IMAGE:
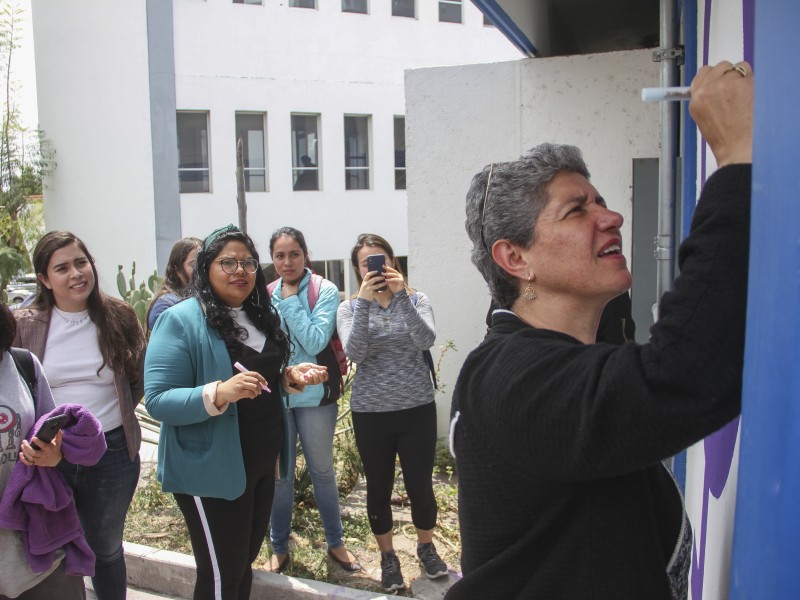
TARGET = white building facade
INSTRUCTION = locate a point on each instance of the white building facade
(143, 103)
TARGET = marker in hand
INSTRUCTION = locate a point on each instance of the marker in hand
(241, 368)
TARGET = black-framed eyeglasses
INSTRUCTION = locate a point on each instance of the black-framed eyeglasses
(231, 265)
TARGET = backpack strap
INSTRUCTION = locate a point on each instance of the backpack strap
(426, 354)
(271, 287)
(23, 359)
(314, 285)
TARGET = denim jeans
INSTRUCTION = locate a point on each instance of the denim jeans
(102, 496)
(315, 426)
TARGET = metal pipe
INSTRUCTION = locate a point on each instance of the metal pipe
(665, 240)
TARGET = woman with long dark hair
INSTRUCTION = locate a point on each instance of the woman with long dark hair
(177, 277)
(91, 347)
(307, 305)
(385, 330)
(214, 374)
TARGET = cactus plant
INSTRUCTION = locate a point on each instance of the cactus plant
(139, 297)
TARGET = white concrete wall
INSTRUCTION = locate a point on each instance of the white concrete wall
(92, 83)
(461, 118)
(281, 60)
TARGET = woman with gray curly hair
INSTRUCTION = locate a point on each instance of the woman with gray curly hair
(559, 441)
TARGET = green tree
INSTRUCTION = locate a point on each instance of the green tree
(24, 155)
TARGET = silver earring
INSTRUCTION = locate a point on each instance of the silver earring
(529, 293)
(257, 300)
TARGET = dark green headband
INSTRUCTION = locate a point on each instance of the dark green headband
(230, 228)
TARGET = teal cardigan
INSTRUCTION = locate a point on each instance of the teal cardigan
(198, 454)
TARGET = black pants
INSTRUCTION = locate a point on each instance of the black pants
(411, 435)
(227, 534)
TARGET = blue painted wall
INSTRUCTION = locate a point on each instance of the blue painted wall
(766, 553)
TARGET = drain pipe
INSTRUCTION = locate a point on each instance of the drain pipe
(670, 56)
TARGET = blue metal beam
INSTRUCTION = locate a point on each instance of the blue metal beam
(506, 26)
(766, 550)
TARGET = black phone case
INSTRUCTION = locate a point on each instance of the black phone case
(376, 264)
(49, 429)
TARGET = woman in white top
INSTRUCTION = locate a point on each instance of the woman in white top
(92, 350)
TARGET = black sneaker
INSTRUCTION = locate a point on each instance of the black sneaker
(391, 577)
(433, 564)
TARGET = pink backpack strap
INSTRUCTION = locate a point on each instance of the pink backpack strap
(314, 284)
(271, 287)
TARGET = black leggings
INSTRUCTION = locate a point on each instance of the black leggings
(227, 534)
(411, 435)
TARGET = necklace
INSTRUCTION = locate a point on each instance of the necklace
(84, 315)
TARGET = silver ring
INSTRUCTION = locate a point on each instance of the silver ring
(738, 68)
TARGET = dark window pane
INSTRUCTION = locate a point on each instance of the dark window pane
(305, 163)
(193, 182)
(399, 153)
(303, 3)
(305, 179)
(354, 6)
(193, 169)
(250, 129)
(356, 179)
(450, 12)
(399, 179)
(356, 153)
(403, 8)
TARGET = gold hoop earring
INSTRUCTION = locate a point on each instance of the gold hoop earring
(529, 293)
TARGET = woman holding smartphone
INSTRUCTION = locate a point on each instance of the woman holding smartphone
(214, 374)
(92, 348)
(311, 415)
(21, 409)
(385, 330)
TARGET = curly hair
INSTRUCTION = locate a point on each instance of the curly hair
(173, 275)
(119, 334)
(257, 306)
(503, 203)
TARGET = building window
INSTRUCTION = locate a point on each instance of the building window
(250, 130)
(356, 153)
(193, 170)
(247, 2)
(303, 3)
(450, 11)
(305, 147)
(354, 6)
(487, 21)
(403, 8)
(399, 153)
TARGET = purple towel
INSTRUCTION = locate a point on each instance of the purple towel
(38, 502)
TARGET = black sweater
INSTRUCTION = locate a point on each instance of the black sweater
(558, 444)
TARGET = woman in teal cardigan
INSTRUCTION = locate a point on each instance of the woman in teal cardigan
(222, 432)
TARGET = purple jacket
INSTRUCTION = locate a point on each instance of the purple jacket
(38, 502)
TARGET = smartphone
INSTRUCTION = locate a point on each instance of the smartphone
(49, 429)
(375, 262)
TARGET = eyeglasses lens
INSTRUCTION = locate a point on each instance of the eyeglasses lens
(231, 265)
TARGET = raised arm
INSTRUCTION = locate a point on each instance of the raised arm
(314, 331)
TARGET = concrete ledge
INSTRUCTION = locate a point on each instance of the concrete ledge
(173, 574)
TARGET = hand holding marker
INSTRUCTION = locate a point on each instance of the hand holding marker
(242, 369)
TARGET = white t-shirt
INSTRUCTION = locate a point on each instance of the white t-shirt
(71, 360)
